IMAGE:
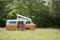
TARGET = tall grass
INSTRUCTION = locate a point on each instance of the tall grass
(37, 34)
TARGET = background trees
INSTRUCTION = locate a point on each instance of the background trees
(56, 12)
(43, 13)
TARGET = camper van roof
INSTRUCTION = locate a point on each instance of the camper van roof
(11, 20)
(23, 17)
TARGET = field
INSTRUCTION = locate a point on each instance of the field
(37, 34)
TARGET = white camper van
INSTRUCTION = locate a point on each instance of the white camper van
(20, 23)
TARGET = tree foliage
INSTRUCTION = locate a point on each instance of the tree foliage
(42, 15)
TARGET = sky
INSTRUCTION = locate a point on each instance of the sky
(47, 2)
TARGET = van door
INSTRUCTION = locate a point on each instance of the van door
(20, 25)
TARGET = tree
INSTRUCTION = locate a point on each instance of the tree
(3, 11)
(36, 10)
(56, 12)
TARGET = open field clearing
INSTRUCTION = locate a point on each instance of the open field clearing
(37, 34)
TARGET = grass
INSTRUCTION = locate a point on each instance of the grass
(37, 34)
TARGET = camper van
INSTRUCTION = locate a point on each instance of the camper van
(21, 23)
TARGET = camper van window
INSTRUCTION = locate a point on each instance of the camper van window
(21, 22)
(28, 22)
(12, 22)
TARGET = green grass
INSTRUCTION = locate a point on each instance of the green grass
(38, 34)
